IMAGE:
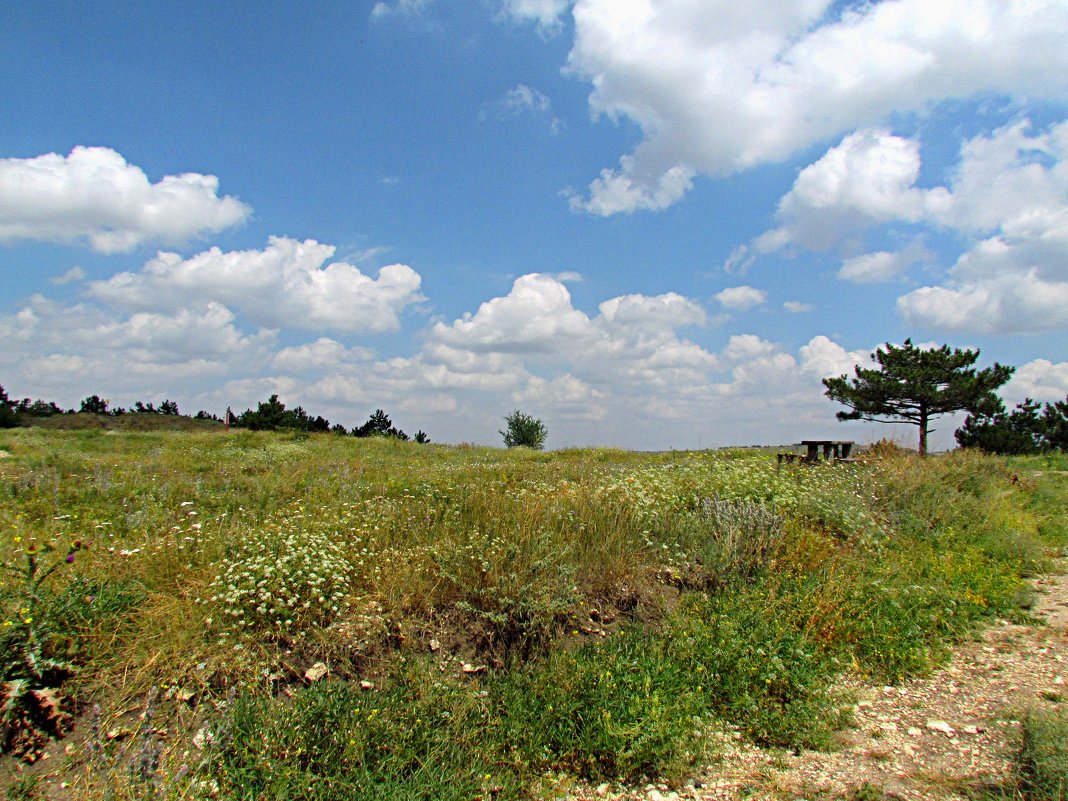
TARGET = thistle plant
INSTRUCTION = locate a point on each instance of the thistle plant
(31, 705)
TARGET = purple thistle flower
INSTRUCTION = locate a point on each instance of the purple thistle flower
(70, 558)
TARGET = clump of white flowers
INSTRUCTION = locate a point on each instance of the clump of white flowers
(281, 582)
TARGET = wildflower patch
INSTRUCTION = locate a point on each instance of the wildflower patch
(280, 582)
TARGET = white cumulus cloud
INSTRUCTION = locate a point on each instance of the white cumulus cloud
(741, 298)
(287, 284)
(1041, 380)
(1011, 190)
(95, 196)
(718, 87)
(868, 178)
(1006, 201)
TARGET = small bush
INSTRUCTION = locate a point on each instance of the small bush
(281, 582)
(524, 431)
(742, 538)
(514, 588)
(753, 668)
(617, 711)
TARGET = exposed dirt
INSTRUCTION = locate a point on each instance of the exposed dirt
(940, 737)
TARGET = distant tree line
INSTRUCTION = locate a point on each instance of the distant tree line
(272, 415)
(269, 415)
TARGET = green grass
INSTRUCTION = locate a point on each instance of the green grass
(1043, 759)
(624, 604)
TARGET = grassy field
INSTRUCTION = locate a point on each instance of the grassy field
(488, 623)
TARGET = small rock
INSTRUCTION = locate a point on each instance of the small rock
(367, 685)
(973, 729)
(602, 789)
(118, 733)
(435, 646)
(316, 672)
(473, 669)
(914, 732)
(183, 695)
(941, 726)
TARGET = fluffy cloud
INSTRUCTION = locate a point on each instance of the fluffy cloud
(1012, 187)
(85, 349)
(869, 178)
(633, 341)
(1006, 200)
(1008, 304)
(312, 356)
(95, 196)
(872, 267)
(288, 283)
(546, 13)
(717, 87)
(1041, 380)
(741, 298)
(536, 316)
(824, 358)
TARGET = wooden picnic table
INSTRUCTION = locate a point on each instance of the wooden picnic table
(832, 448)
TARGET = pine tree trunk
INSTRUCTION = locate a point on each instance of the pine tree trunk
(923, 433)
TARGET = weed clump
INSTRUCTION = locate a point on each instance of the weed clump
(32, 706)
(743, 537)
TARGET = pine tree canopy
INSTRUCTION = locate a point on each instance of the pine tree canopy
(913, 385)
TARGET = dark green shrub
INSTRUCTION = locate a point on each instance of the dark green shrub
(524, 431)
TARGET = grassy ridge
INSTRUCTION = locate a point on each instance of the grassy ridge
(515, 617)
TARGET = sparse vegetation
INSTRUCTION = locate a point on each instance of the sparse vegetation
(338, 615)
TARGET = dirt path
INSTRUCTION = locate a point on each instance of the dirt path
(931, 738)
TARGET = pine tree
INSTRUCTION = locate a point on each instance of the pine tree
(914, 385)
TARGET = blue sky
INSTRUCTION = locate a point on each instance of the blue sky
(651, 223)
